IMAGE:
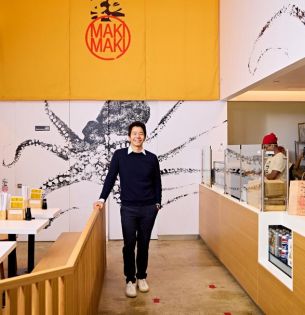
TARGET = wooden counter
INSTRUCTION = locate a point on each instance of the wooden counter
(231, 231)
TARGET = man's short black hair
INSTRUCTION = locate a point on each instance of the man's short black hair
(137, 124)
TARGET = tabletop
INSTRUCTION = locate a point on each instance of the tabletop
(22, 226)
(45, 213)
(6, 247)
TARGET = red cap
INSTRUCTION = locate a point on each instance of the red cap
(270, 139)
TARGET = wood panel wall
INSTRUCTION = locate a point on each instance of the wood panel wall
(209, 221)
(238, 243)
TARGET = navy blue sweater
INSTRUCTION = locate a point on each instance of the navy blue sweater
(140, 178)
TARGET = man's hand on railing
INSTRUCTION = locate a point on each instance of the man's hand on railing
(98, 205)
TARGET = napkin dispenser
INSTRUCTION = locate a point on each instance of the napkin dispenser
(35, 201)
(16, 209)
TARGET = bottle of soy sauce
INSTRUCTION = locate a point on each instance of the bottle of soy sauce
(28, 214)
(44, 204)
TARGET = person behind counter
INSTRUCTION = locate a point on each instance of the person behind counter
(275, 165)
(298, 171)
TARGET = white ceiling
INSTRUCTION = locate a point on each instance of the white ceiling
(286, 85)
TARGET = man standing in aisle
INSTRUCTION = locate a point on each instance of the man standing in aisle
(140, 182)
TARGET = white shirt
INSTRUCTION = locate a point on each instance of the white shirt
(131, 150)
(276, 163)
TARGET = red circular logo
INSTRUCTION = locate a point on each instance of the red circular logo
(107, 37)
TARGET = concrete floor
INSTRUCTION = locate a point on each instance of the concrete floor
(180, 274)
(185, 279)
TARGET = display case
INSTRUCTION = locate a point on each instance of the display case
(276, 239)
(243, 173)
(251, 174)
(241, 176)
(280, 248)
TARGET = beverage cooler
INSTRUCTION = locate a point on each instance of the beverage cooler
(280, 248)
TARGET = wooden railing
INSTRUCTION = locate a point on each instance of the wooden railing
(74, 288)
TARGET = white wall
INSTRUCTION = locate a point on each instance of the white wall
(181, 217)
(194, 124)
(248, 122)
(258, 38)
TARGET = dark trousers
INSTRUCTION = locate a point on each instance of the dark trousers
(137, 224)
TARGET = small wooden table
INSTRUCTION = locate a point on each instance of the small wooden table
(30, 228)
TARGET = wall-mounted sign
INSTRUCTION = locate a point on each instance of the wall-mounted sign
(42, 128)
(107, 38)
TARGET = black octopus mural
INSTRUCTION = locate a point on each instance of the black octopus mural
(101, 137)
(259, 50)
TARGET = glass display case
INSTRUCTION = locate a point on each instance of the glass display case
(241, 175)
(251, 175)
(280, 248)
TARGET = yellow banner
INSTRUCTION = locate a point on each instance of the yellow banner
(182, 49)
(121, 74)
(34, 49)
(93, 49)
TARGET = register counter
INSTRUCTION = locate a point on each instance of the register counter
(237, 233)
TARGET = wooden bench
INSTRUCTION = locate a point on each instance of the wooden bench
(59, 252)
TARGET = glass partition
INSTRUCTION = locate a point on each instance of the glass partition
(251, 174)
(233, 171)
(242, 174)
(206, 166)
(298, 171)
(218, 174)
